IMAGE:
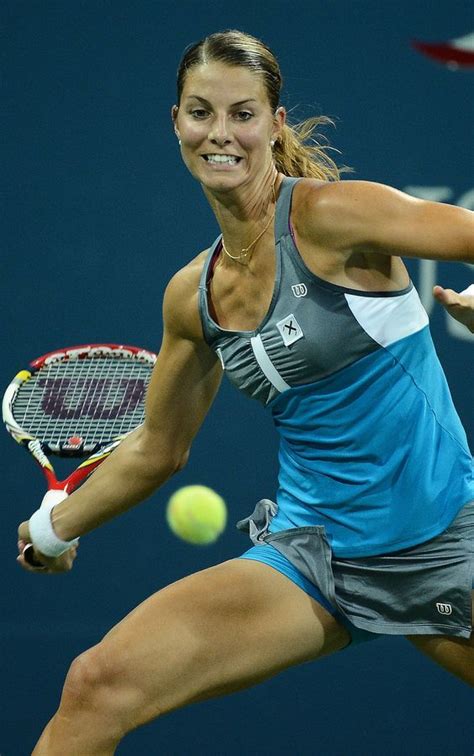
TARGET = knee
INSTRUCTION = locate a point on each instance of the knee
(87, 675)
(91, 688)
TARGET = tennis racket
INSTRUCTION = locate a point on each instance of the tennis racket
(77, 402)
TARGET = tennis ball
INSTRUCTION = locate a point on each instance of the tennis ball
(197, 514)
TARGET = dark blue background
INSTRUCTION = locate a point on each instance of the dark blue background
(99, 214)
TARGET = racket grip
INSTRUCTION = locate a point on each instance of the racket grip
(29, 556)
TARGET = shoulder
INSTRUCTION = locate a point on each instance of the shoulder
(186, 280)
(332, 212)
(320, 196)
(180, 303)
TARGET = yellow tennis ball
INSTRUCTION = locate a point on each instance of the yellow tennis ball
(196, 514)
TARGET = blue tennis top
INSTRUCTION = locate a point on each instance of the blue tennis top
(371, 446)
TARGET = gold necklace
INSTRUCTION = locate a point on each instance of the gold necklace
(244, 252)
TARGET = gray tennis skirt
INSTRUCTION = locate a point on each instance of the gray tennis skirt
(422, 590)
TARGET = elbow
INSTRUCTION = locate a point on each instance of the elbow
(161, 455)
(183, 461)
(164, 466)
(157, 456)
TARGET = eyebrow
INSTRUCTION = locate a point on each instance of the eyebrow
(206, 102)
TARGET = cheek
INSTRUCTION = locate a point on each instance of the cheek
(192, 133)
(254, 139)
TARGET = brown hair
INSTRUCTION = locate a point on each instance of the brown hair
(297, 151)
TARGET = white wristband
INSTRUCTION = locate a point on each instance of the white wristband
(42, 534)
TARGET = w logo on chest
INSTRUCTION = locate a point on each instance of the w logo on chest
(299, 290)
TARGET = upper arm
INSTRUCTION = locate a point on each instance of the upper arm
(186, 375)
(373, 217)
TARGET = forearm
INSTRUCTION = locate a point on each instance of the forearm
(126, 478)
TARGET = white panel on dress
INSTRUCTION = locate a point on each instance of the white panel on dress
(388, 319)
(266, 365)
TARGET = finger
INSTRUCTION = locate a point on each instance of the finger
(446, 297)
(23, 532)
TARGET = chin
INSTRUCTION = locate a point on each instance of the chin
(224, 183)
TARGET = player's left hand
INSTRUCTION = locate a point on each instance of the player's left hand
(34, 561)
(459, 305)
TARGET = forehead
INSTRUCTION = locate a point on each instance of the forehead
(216, 81)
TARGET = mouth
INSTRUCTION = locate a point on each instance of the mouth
(219, 159)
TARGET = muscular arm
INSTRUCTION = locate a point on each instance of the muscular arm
(183, 385)
(373, 218)
(360, 220)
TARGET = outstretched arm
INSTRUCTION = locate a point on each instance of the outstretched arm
(349, 216)
(361, 216)
(184, 383)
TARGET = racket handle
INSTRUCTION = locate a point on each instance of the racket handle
(29, 555)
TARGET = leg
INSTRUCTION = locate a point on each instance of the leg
(212, 633)
(456, 655)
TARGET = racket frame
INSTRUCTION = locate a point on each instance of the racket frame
(37, 448)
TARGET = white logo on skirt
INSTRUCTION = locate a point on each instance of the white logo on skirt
(444, 608)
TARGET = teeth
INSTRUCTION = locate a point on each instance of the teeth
(222, 159)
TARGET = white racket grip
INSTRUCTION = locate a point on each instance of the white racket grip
(469, 291)
(42, 533)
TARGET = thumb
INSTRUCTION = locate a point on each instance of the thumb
(24, 532)
(446, 297)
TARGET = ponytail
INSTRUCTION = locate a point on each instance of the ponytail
(294, 156)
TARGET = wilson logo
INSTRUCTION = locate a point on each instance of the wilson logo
(444, 608)
(299, 290)
(94, 398)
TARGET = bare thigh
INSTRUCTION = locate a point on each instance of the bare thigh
(456, 655)
(211, 633)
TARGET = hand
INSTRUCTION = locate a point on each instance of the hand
(459, 306)
(37, 562)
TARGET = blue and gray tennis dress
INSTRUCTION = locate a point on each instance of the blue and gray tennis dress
(373, 458)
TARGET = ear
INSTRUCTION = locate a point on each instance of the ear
(174, 116)
(279, 121)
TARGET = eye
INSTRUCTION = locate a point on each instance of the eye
(243, 115)
(199, 113)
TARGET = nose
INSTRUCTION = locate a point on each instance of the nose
(219, 132)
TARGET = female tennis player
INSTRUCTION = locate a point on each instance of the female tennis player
(304, 302)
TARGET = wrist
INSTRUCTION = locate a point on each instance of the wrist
(43, 535)
(61, 521)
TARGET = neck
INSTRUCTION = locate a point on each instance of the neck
(244, 212)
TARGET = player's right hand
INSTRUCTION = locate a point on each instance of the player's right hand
(459, 305)
(33, 561)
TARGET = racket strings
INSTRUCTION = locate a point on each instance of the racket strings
(93, 400)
